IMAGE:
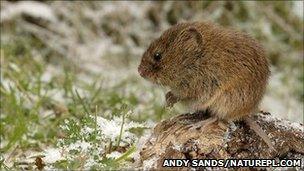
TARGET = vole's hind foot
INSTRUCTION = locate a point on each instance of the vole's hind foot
(260, 132)
(203, 124)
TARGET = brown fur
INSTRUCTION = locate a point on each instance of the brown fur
(210, 66)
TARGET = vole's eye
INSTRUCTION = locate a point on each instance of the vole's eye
(157, 56)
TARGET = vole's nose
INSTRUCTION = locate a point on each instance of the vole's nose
(141, 71)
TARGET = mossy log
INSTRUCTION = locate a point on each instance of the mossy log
(172, 139)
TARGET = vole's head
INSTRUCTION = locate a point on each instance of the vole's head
(169, 56)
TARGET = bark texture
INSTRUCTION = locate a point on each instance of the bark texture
(172, 139)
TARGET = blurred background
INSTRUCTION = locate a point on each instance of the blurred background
(65, 60)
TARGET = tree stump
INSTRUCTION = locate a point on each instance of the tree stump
(172, 139)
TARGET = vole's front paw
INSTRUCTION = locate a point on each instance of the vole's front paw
(171, 99)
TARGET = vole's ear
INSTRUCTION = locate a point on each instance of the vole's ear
(191, 34)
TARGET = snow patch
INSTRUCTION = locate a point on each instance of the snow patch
(287, 125)
(111, 128)
(150, 163)
(52, 155)
(79, 146)
(114, 155)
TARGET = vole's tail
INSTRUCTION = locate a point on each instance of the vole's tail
(259, 131)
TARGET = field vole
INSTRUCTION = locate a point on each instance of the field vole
(210, 67)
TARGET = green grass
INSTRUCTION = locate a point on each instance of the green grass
(33, 119)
